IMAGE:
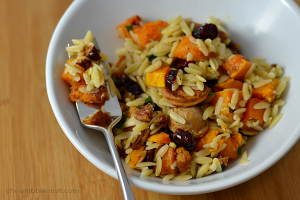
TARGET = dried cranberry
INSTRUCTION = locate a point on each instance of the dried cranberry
(184, 139)
(168, 131)
(165, 130)
(171, 77)
(155, 106)
(93, 54)
(130, 85)
(179, 63)
(122, 153)
(235, 48)
(205, 31)
(122, 90)
(149, 156)
(84, 63)
(171, 135)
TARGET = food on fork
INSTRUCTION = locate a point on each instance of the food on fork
(85, 74)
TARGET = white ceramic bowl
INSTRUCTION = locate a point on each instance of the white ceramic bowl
(268, 29)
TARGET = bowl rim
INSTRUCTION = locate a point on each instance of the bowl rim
(143, 184)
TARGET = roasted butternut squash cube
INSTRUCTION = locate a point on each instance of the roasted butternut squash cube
(208, 137)
(149, 31)
(135, 157)
(237, 67)
(160, 138)
(167, 160)
(227, 95)
(70, 79)
(231, 149)
(230, 83)
(157, 78)
(133, 22)
(266, 92)
(186, 46)
(253, 114)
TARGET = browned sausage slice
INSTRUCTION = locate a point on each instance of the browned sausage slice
(181, 99)
(194, 122)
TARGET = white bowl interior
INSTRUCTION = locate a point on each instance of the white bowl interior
(266, 29)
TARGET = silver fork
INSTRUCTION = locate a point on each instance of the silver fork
(112, 107)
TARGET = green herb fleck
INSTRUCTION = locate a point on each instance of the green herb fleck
(212, 82)
(120, 124)
(148, 99)
(225, 72)
(231, 110)
(240, 150)
(223, 137)
(232, 135)
(115, 79)
(222, 168)
(211, 94)
(213, 116)
(129, 27)
(151, 57)
(249, 90)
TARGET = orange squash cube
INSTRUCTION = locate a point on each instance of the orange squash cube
(162, 24)
(160, 138)
(148, 32)
(68, 78)
(135, 157)
(135, 21)
(230, 83)
(157, 78)
(167, 160)
(227, 95)
(185, 46)
(253, 114)
(237, 67)
(231, 149)
(208, 137)
(266, 92)
(238, 137)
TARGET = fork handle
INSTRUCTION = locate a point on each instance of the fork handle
(125, 186)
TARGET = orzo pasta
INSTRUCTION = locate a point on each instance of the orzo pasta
(190, 99)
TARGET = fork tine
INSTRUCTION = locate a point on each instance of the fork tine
(112, 105)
